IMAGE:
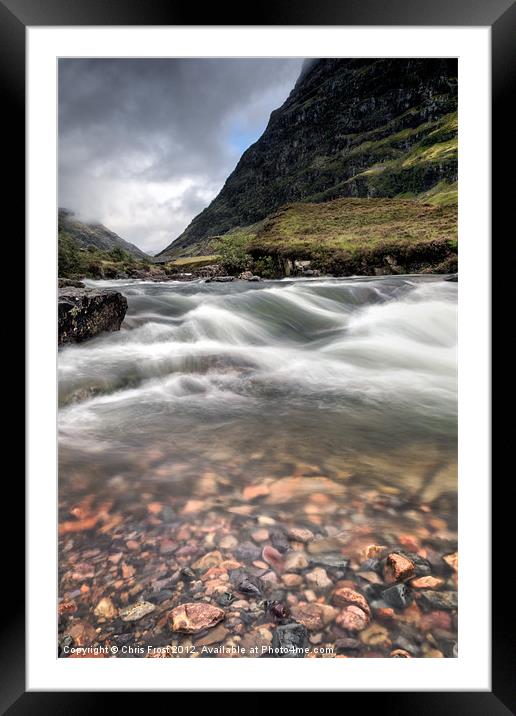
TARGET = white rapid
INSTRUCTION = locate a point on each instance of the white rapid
(358, 369)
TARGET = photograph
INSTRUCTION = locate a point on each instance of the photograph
(257, 357)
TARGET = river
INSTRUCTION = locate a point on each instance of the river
(327, 404)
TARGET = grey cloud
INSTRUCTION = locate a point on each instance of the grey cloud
(145, 144)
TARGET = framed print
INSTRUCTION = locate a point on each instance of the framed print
(259, 351)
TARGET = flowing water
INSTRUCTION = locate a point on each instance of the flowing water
(340, 387)
(358, 371)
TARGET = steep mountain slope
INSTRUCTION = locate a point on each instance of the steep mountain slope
(95, 235)
(350, 128)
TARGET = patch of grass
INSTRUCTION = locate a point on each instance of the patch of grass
(350, 225)
(186, 262)
(442, 194)
(438, 152)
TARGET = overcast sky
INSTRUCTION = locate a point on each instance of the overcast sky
(145, 145)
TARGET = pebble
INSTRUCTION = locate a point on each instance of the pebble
(398, 568)
(260, 564)
(279, 541)
(290, 641)
(251, 492)
(422, 566)
(373, 551)
(193, 506)
(105, 609)
(426, 583)
(211, 559)
(398, 596)
(344, 596)
(318, 578)
(67, 607)
(278, 610)
(225, 599)
(82, 571)
(292, 580)
(163, 596)
(371, 577)
(136, 611)
(314, 616)
(257, 638)
(213, 637)
(436, 620)
(345, 644)
(193, 617)
(352, 618)
(438, 600)
(249, 588)
(228, 542)
(330, 561)
(295, 561)
(215, 573)
(452, 560)
(154, 508)
(188, 573)
(273, 557)
(167, 546)
(269, 578)
(261, 535)
(248, 552)
(82, 632)
(301, 534)
(376, 635)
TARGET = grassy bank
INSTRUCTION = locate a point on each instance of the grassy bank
(348, 235)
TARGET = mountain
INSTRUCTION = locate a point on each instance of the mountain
(362, 128)
(95, 235)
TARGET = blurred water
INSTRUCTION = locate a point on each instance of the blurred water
(348, 375)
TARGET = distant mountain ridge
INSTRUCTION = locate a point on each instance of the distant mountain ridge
(349, 128)
(95, 235)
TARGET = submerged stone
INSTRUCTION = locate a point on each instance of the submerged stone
(398, 596)
(290, 641)
(195, 616)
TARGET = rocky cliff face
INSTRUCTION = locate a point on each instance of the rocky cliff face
(350, 128)
(95, 235)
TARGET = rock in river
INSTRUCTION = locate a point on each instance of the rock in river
(290, 641)
(85, 312)
(194, 617)
(398, 596)
(133, 612)
(438, 600)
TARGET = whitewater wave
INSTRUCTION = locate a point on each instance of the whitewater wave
(358, 348)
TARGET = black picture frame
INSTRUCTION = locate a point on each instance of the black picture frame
(500, 16)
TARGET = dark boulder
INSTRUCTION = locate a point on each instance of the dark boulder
(85, 312)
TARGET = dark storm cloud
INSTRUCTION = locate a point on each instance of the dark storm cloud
(144, 145)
